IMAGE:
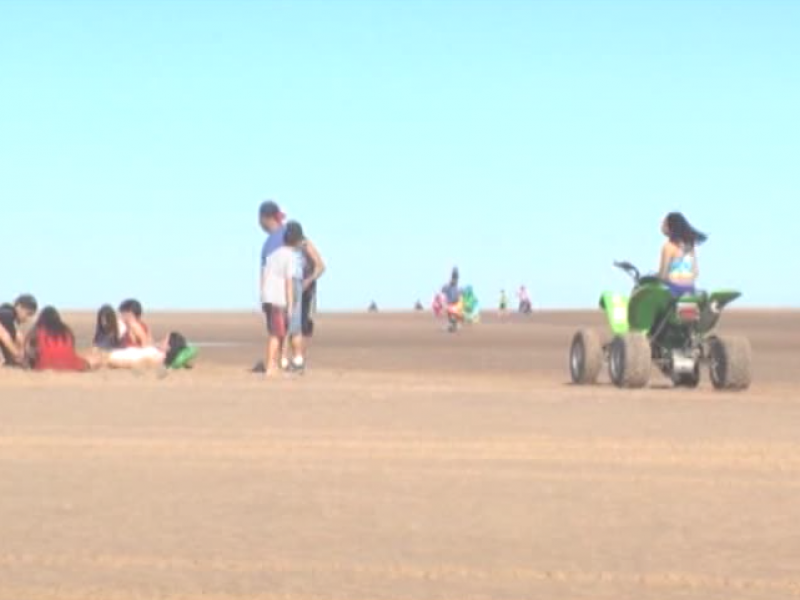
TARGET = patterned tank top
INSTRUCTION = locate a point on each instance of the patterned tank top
(681, 268)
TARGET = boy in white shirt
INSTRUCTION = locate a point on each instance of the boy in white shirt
(278, 297)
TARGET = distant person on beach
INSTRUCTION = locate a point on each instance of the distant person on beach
(678, 268)
(277, 299)
(503, 303)
(438, 304)
(451, 291)
(51, 345)
(12, 318)
(453, 298)
(524, 300)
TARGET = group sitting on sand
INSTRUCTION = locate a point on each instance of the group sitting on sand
(122, 340)
(290, 268)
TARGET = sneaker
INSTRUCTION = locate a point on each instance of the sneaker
(297, 366)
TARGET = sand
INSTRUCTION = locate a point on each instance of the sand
(406, 464)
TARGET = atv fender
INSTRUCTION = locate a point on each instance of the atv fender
(616, 309)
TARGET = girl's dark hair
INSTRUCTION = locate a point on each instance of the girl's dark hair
(681, 231)
(50, 322)
(293, 234)
(107, 325)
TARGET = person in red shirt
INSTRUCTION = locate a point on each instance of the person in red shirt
(51, 345)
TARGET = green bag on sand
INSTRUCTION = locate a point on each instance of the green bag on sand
(184, 358)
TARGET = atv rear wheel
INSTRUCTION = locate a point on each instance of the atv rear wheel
(629, 360)
(729, 363)
(585, 357)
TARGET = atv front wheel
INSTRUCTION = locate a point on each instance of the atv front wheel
(729, 363)
(585, 357)
(629, 361)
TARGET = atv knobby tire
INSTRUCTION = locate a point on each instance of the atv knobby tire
(585, 357)
(730, 363)
(630, 360)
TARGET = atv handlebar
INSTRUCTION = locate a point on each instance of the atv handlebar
(629, 269)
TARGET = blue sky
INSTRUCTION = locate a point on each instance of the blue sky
(526, 142)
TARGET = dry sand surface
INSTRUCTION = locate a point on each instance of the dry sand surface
(406, 464)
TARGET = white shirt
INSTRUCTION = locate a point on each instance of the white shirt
(279, 269)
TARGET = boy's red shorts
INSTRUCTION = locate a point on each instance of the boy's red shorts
(276, 320)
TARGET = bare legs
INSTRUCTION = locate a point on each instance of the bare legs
(273, 351)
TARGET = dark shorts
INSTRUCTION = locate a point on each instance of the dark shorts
(680, 290)
(276, 320)
(307, 323)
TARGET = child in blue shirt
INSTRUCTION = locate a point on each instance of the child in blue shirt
(294, 239)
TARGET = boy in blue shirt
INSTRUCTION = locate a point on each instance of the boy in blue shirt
(294, 239)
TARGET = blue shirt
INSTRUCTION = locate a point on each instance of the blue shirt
(273, 242)
(452, 293)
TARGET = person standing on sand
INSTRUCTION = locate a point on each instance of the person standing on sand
(453, 301)
(313, 268)
(503, 303)
(272, 220)
(524, 300)
(278, 296)
(294, 240)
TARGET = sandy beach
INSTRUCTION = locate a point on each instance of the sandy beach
(407, 464)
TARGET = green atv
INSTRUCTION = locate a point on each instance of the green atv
(652, 326)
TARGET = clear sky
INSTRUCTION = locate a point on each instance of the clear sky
(525, 141)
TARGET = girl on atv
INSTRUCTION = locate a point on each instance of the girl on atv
(678, 267)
